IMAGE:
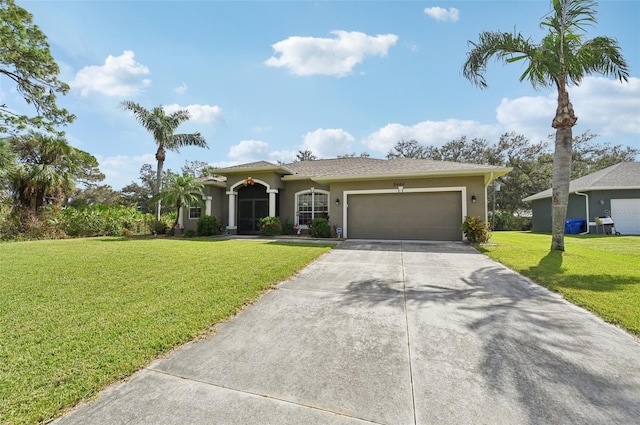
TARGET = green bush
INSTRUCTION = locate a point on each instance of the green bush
(160, 227)
(208, 225)
(507, 220)
(270, 226)
(101, 220)
(288, 228)
(320, 228)
(476, 230)
(190, 233)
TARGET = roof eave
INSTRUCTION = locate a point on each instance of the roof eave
(497, 172)
(582, 189)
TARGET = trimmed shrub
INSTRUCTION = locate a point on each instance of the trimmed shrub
(476, 230)
(288, 228)
(208, 225)
(190, 233)
(320, 228)
(270, 226)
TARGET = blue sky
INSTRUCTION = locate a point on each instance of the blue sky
(265, 79)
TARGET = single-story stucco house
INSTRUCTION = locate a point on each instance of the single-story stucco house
(366, 198)
(612, 192)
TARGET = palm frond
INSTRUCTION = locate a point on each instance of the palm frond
(181, 140)
(501, 47)
(602, 55)
(570, 16)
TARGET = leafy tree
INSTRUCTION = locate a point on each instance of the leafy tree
(47, 169)
(589, 157)
(305, 155)
(198, 169)
(180, 191)
(26, 61)
(96, 195)
(532, 165)
(7, 159)
(407, 149)
(476, 151)
(140, 194)
(562, 58)
(163, 127)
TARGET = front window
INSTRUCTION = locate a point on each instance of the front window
(195, 211)
(312, 205)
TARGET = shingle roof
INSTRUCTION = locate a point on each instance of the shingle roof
(249, 166)
(358, 168)
(625, 175)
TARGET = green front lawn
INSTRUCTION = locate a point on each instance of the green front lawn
(76, 315)
(599, 273)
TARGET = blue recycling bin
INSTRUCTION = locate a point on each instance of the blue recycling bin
(575, 226)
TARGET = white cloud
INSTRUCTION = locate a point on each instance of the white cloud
(328, 143)
(120, 170)
(530, 116)
(181, 89)
(256, 150)
(205, 114)
(444, 15)
(119, 76)
(606, 107)
(249, 151)
(329, 56)
(429, 133)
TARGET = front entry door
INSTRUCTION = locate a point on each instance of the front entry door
(250, 211)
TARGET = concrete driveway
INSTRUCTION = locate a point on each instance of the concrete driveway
(392, 333)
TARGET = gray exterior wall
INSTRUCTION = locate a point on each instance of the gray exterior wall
(287, 189)
(541, 208)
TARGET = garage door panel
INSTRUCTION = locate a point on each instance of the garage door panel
(427, 216)
(626, 215)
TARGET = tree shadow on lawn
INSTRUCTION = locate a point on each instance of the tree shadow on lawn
(556, 363)
(549, 273)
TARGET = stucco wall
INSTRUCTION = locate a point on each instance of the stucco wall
(287, 190)
(577, 207)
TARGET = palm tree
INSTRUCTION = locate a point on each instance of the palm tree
(163, 126)
(180, 191)
(46, 170)
(562, 58)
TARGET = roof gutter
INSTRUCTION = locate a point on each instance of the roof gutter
(586, 202)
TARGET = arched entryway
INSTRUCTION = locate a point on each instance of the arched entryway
(253, 204)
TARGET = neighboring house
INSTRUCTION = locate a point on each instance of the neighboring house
(613, 192)
(366, 198)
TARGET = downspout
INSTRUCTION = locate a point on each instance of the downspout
(586, 200)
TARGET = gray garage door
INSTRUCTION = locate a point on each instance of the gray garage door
(434, 216)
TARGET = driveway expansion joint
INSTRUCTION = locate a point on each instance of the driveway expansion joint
(306, 406)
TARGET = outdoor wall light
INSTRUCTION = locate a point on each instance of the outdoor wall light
(601, 201)
(473, 198)
(337, 201)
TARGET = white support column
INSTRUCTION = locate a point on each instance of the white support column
(272, 202)
(232, 210)
(207, 203)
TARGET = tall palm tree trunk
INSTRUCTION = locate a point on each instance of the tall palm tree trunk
(563, 122)
(160, 157)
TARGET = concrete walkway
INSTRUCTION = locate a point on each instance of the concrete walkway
(392, 333)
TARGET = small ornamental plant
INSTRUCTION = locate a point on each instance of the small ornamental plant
(320, 228)
(208, 225)
(270, 226)
(476, 230)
